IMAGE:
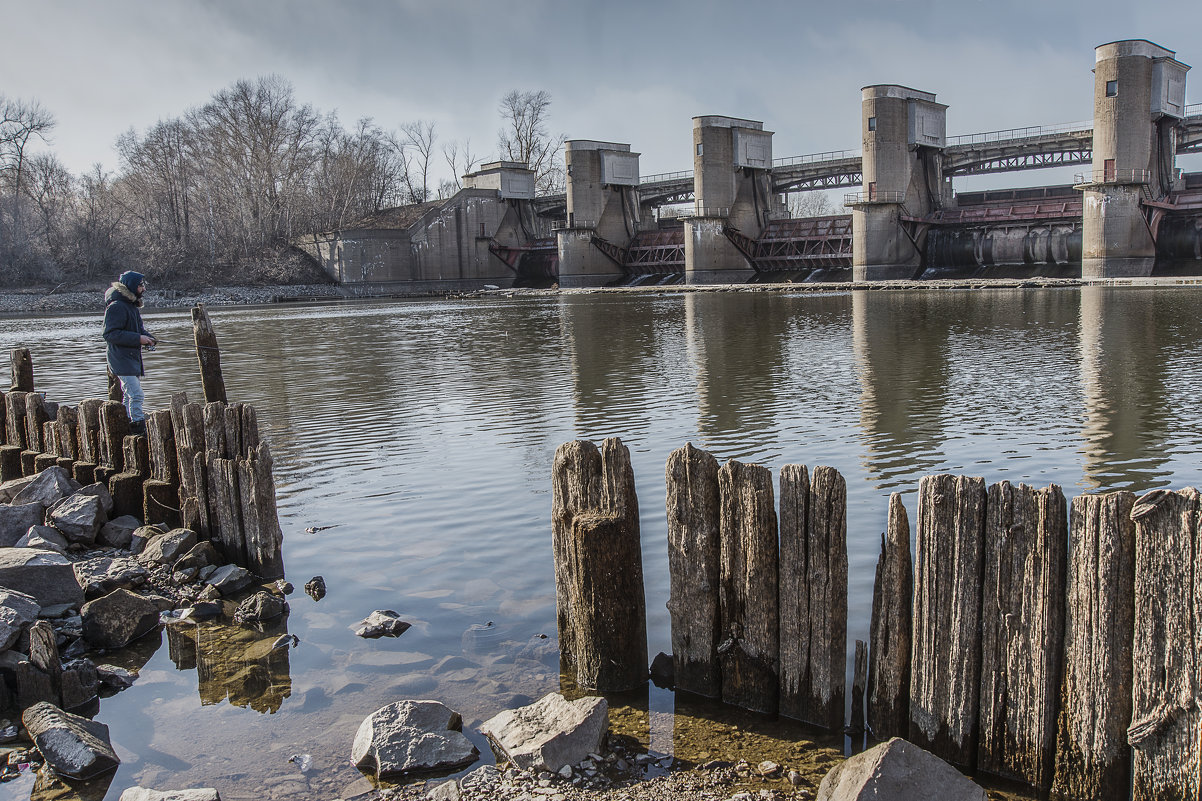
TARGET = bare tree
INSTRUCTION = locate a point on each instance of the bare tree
(461, 160)
(524, 137)
(419, 137)
(811, 204)
(20, 122)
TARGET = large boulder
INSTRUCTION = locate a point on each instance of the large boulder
(551, 732)
(103, 574)
(45, 537)
(143, 794)
(118, 533)
(899, 771)
(73, 747)
(166, 548)
(10, 488)
(16, 520)
(118, 619)
(79, 517)
(48, 487)
(46, 576)
(412, 736)
(17, 611)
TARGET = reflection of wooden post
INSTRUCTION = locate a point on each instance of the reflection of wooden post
(693, 565)
(891, 629)
(1022, 631)
(208, 355)
(1093, 759)
(747, 593)
(1166, 721)
(22, 364)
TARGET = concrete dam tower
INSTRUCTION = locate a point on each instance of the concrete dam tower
(903, 136)
(1139, 97)
(602, 202)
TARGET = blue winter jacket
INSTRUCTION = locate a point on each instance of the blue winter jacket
(123, 330)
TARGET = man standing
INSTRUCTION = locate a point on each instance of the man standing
(125, 335)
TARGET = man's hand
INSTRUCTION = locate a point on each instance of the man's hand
(147, 340)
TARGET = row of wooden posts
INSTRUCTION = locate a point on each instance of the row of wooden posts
(202, 466)
(1056, 645)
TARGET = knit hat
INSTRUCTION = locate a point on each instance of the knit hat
(132, 280)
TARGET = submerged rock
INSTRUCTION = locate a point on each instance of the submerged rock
(550, 733)
(409, 736)
(73, 747)
(262, 605)
(144, 794)
(381, 623)
(316, 588)
(900, 771)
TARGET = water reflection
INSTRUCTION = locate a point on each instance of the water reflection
(246, 665)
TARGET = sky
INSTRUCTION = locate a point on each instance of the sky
(620, 71)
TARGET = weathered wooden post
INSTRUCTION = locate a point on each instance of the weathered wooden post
(1022, 631)
(161, 491)
(748, 605)
(813, 595)
(89, 440)
(598, 565)
(22, 370)
(946, 662)
(262, 537)
(114, 426)
(35, 418)
(126, 487)
(1093, 760)
(1166, 719)
(858, 682)
(187, 421)
(891, 629)
(208, 355)
(15, 435)
(694, 567)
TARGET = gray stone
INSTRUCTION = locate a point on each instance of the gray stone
(143, 535)
(100, 491)
(45, 537)
(79, 518)
(143, 794)
(73, 747)
(262, 605)
(46, 576)
(9, 489)
(381, 623)
(551, 732)
(16, 520)
(48, 487)
(17, 610)
(899, 771)
(200, 555)
(104, 574)
(116, 677)
(409, 736)
(119, 532)
(56, 611)
(118, 619)
(166, 548)
(447, 791)
(229, 579)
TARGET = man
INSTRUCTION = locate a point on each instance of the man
(125, 335)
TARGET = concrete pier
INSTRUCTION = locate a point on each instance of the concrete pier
(602, 202)
(732, 162)
(904, 133)
(1139, 96)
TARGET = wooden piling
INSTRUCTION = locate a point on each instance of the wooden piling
(208, 355)
(749, 618)
(1166, 720)
(694, 566)
(114, 427)
(1093, 759)
(15, 429)
(261, 537)
(813, 595)
(598, 566)
(858, 683)
(1022, 631)
(35, 418)
(946, 661)
(22, 370)
(890, 634)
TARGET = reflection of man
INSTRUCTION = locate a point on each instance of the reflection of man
(125, 335)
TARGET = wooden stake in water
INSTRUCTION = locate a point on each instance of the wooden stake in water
(22, 370)
(208, 355)
(891, 629)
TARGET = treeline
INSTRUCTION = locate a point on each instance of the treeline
(217, 194)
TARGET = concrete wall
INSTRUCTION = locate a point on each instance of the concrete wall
(595, 207)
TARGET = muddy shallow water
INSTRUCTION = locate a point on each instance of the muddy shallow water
(416, 438)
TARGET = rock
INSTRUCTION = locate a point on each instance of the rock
(9, 489)
(316, 588)
(285, 587)
(104, 574)
(45, 537)
(208, 594)
(143, 794)
(73, 747)
(46, 576)
(447, 791)
(143, 535)
(118, 619)
(16, 520)
(200, 555)
(663, 672)
(229, 579)
(56, 611)
(899, 771)
(98, 491)
(381, 623)
(202, 610)
(116, 677)
(17, 610)
(79, 518)
(166, 548)
(408, 736)
(262, 605)
(119, 533)
(768, 768)
(48, 487)
(551, 732)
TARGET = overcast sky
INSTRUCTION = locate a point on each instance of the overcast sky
(621, 70)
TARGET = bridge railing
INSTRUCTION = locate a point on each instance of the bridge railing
(1104, 176)
(874, 196)
(564, 225)
(812, 158)
(665, 176)
(1031, 132)
(1193, 110)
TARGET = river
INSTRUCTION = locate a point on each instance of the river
(414, 441)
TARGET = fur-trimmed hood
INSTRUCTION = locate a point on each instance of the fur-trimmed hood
(119, 289)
